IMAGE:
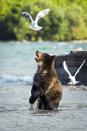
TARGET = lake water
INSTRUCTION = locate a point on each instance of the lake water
(17, 67)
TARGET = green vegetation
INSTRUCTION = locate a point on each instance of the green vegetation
(67, 20)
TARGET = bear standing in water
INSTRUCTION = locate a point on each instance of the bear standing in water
(46, 86)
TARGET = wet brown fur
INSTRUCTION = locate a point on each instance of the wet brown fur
(46, 85)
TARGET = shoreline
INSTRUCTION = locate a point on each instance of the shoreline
(42, 41)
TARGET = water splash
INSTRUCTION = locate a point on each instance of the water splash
(15, 79)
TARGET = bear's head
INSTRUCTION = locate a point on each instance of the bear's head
(45, 61)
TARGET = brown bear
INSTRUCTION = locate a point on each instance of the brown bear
(46, 86)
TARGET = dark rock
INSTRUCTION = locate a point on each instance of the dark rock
(74, 59)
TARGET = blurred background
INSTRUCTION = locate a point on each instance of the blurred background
(67, 20)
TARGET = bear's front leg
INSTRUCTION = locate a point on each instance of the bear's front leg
(43, 103)
(33, 97)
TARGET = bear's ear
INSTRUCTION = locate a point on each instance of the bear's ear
(53, 57)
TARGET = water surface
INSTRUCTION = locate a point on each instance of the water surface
(17, 67)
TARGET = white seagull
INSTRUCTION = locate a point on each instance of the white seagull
(72, 78)
(34, 23)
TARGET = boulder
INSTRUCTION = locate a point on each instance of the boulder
(74, 59)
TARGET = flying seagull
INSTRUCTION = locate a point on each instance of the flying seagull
(34, 23)
(72, 78)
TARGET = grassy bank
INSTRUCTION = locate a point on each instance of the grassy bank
(67, 20)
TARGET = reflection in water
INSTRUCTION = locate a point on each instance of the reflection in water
(78, 87)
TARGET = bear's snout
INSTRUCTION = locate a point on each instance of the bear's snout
(37, 53)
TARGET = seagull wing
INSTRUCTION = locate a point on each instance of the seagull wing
(66, 68)
(27, 15)
(79, 68)
(41, 14)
